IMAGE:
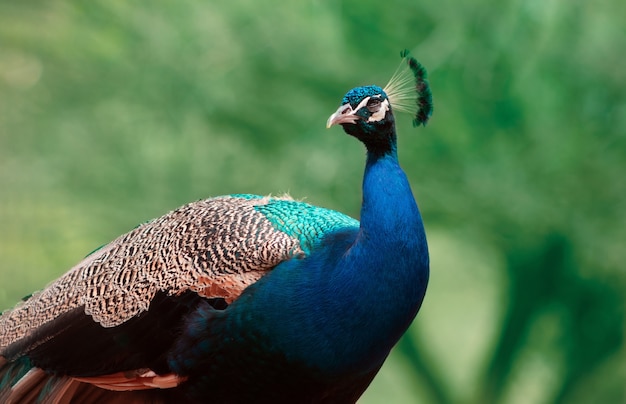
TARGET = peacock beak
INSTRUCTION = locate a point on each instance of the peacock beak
(344, 114)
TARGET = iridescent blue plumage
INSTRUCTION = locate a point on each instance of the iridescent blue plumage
(357, 94)
(236, 299)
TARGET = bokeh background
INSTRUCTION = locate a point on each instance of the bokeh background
(115, 112)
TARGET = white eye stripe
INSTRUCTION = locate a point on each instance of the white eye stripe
(378, 115)
(362, 104)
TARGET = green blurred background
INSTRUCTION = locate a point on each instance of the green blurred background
(112, 113)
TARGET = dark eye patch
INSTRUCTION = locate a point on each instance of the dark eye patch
(373, 105)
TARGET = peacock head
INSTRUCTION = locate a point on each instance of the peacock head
(366, 112)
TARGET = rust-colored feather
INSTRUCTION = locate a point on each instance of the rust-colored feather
(122, 387)
(138, 380)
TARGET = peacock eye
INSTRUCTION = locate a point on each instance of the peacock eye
(373, 105)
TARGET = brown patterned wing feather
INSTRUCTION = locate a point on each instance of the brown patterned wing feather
(215, 248)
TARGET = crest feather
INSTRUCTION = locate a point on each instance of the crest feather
(408, 90)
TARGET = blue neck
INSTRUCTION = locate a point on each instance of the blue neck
(381, 279)
(391, 243)
(388, 203)
(349, 302)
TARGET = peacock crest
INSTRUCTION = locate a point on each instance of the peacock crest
(409, 91)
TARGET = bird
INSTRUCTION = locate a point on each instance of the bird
(239, 298)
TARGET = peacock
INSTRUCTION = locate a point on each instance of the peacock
(239, 298)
